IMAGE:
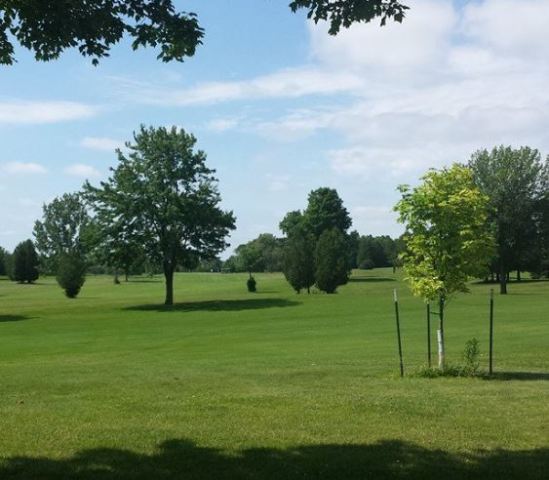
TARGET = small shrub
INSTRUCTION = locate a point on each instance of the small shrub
(71, 274)
(471, 355)
(435, 372)
(251, 284)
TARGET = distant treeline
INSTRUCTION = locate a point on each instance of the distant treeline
(364, 251)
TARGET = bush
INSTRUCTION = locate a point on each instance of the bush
(71, 274)
(251, 284)
(471, 357)
(366, 264)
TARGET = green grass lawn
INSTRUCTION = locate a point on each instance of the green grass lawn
(274, 385)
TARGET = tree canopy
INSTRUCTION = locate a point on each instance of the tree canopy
(48, 28)
(324, 211)
(447, 238)
(165, 191)
(93, 27)
(65, 228)
(343, 13)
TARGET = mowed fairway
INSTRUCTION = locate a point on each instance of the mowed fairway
(232, 385)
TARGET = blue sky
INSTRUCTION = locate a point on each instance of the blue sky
(281, 108)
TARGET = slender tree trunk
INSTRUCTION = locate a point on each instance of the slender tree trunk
(502, 280)
(126, 275)
(518, 276)
(168, 274)
(440, 334)
(116, 281)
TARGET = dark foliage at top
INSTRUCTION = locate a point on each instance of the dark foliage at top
(47, 28)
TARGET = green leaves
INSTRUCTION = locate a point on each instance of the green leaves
(93, 27)
(65, 228)
(343, 13)
(447, 238)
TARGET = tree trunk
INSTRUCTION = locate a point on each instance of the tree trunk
(518, 276)
(116, 281)
(126, 275)
(168, 274)
(440, 334)
(502, 280)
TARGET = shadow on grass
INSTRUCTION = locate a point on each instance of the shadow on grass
(371, 279)
(181, 459)
(218, 305)
(13, 318)
(517, 376)
(511, 282)
(144, 280)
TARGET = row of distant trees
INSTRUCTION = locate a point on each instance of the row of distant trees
(266, 254)
(158, 212)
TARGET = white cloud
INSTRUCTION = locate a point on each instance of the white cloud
(420, 40)
(278, 183)
(23, 168)
(223, 124)
(289, 83)
(101, 143)
(29, 202)
(82, 171)
(26, 112)
(509, 26)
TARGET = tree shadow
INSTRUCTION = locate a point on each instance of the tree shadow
(218, 305)
(184, 460)
(371, 279)
(13, 318)
(529, 376)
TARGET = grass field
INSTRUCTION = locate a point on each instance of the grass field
(273, 385)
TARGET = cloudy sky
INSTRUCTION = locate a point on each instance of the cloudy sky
(282, 108)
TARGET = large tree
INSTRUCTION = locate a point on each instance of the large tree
(164, 189)
(515, 181)
(47, 28)
(447, 236)
(65, 228)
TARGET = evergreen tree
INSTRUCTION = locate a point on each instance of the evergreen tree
(299, 260)
(332, 267)
(25, 263)
(71, 273)
(3, 257)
